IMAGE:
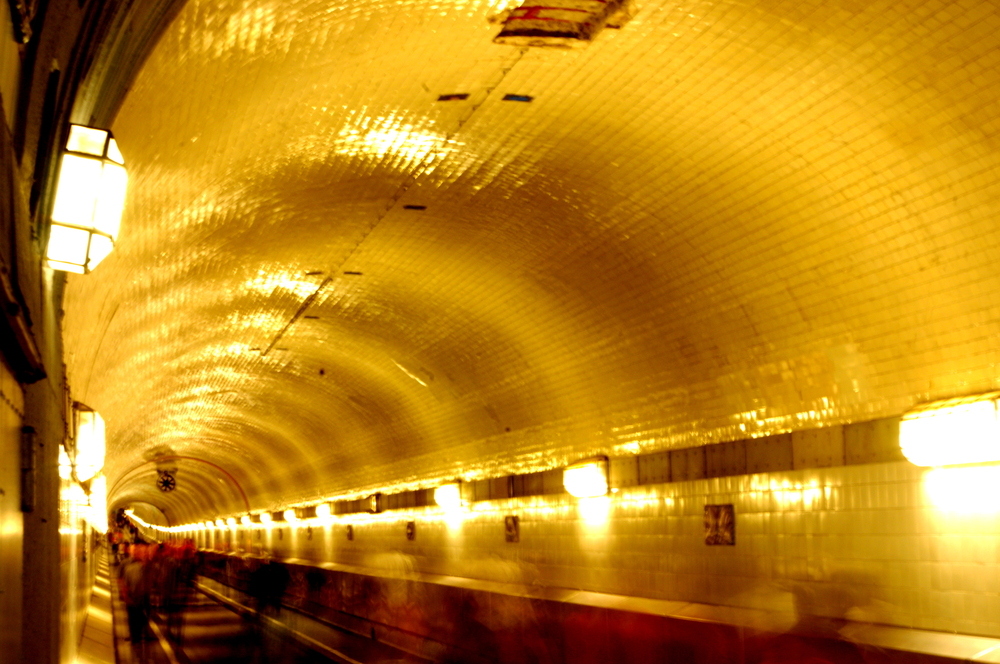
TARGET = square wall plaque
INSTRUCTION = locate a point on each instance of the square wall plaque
(720, 525)
(512, 528)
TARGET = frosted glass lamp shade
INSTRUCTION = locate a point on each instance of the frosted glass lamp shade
(90, 442)
(90, 197)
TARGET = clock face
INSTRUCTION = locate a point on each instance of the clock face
(166, 482)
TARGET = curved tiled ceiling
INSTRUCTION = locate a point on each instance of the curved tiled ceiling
(724, 219)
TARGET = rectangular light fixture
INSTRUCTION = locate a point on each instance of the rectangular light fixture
(588, 478)
(90, 197)
(952, 432)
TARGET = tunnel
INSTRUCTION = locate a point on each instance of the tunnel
(583, 331)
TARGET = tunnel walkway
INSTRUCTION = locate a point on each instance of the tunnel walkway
(218, 625)
(97, 644)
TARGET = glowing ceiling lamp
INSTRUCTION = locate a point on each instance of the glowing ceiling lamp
(89, 200)
(449, 496)
(231, 521)
(290, 516)
(323, 510)
(245, 519)
(587, 479)
(90, 442)
(266, 518)
(952, 432)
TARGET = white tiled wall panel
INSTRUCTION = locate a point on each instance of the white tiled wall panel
(887, 543)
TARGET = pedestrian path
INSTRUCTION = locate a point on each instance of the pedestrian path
(214, 624)
(97, 646)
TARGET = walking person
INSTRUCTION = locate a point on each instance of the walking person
(133, 587)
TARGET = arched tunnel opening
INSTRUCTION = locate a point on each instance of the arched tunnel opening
(499, 332)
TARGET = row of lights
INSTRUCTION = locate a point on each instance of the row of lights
(951, 432)
(586, 479)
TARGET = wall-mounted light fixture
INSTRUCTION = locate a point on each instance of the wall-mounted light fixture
(99, 503)
(90, 442)
(220, 523)
(290, 516)
(323, 510)
(231, 521)
(952, 432)
(266, 518)
(90, 197)
(245, 519)
(449, 496)
(587, 478)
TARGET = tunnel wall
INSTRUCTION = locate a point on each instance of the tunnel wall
(11, 524)
(452, 619)
(77, 566)
(888, 543)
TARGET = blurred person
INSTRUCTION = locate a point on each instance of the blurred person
(171, 591)
(115, 538)
(275, 582)
(469, 641)
(133, 587)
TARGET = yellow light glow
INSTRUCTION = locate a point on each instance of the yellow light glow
(88, 140)
(100, 247)
(594, 512)
(114, 154)
(290, 516)
(970, 490)
(220, 523)
(231, 521)
(323, 511)
(98, 516)
(449, 496)
(90, 443)
(99, 614)
(245, 519)
(79, 185)
(65, 465)
(951, 433)
(68, 245)
(587, 478)
(66, 267)
(266, 518)
(390, 137)
(111, 199)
